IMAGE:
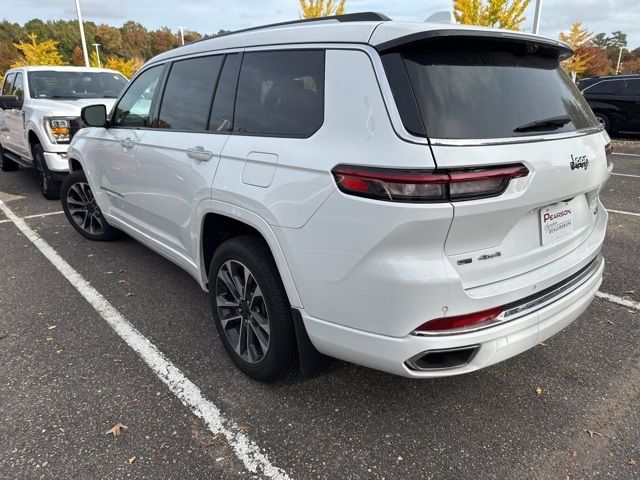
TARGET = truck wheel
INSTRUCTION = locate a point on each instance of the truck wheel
(49, 187)
(6, 165)
(83, 212)
(251, 310)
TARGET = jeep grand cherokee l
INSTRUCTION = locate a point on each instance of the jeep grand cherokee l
(418, 198)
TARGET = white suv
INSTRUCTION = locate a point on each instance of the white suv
(416, 198)
(40, 113)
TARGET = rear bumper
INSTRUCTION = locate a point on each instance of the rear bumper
(495, 344)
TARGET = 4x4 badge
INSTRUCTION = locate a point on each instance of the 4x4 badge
(579, 162)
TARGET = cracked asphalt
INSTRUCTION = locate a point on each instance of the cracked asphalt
(66, 378)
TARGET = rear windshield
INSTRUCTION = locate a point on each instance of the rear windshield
(73, 85)
(485, 89)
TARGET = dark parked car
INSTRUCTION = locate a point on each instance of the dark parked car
(615, 100)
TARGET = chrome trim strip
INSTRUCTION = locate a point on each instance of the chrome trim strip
(531, 304)
(514, 140)
(412, 365)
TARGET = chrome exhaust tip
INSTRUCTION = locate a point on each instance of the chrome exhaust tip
(444, 359)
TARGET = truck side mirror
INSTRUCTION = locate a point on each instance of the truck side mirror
(8, 102)
(94, 116)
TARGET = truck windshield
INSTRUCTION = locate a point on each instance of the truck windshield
(488, 89)
(75, 85)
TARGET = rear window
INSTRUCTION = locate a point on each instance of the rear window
(484, 90)
(606, 87)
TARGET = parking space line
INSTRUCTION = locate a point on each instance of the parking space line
(44, 214)
(625, 302)
(626, 154)
(187, 392)
(625, 175)
(623, 212)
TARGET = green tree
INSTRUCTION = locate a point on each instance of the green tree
(321, 8)
(491, 13)
(136, 40)
(34, 53)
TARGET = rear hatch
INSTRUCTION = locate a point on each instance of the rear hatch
(485, 101)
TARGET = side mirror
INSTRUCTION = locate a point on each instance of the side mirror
(7, 102)
(94, 116)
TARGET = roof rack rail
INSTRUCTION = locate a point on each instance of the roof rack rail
(346, 18)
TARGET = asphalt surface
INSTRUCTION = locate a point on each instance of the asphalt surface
(67, 378)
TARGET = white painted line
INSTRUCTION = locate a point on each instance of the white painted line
(627, 154)
(43, 214)
(625, 302)
(189, 394)
(624, 213)
(625, 175)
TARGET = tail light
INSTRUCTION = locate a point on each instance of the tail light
(462, 322)
(608, 150)
(423, 186)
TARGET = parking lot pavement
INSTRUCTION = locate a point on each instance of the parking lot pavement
(348, 423)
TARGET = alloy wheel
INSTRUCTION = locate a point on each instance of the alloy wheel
(84, 210)
(242, 311)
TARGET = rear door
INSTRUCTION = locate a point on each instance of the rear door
(177, 159)
(632, 100)
(490, 103)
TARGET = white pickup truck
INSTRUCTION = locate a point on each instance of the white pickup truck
(40, 113)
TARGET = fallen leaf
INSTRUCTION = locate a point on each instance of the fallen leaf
(538, 391)
(129, 294)
(109, 273)
(122, 281)
(633, 461)
(244, 427)
(592, 433)
(132, 459)
(543, 344)
(49, 339)
(115, 430)
(58, 351)
(610, 322)
(573, 454)
(632, 311)
(123, 270)
(51, 327)
(164, 445)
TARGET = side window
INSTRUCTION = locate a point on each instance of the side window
(281, 93)
(189, 92)
(134, 108)
(8, 84)
(18, 87)
(607, 86)
(632, 87)
(224, 103)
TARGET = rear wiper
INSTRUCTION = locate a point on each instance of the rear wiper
(552, 123)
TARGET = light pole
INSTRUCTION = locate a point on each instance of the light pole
(98, 54)
(619, 59)
(536, 19)
(181, 34)
(84, 42)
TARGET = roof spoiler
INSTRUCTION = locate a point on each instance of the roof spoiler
(563, 50)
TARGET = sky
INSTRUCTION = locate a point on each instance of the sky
(209, 16)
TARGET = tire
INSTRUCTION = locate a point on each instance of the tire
(7, 165)
(263, 312)
(605, 121)
(49, 187)
(83, 212)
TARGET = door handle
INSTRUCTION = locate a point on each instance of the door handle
(199, 153)
(127, 143)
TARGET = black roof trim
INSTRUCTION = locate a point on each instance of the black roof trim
(346, 18)
(564, 50)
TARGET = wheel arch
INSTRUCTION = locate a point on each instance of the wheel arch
(219, 223)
